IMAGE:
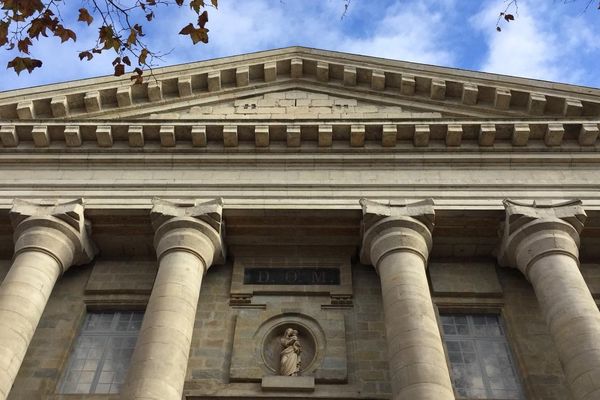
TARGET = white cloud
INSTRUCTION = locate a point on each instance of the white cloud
(405, 31)
(409, 32)
(536, 45)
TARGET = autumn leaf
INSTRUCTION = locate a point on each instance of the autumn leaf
(64, 34)
(119, 69)
(509, 17)
(126, 60)
(142, 57)
(196, 34)
(23, 45)
(215, 3)
(131, 39)
(25, 8)
(203, 19)
(3, 33)
(84, 16)
(196, 5)
(21, 63)
(137, 78)
(40, 24)
(138, 29)
(37, 26)
(86, 54)
(179, 2)
(108, 39)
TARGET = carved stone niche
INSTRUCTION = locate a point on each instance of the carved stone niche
(256, 349)
(271, 346)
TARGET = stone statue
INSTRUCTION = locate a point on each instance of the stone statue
(290, 355)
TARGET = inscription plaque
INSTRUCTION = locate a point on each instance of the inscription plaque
(291, 276)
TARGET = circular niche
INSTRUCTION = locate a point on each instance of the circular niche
(310, 335)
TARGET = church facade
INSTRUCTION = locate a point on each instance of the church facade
(300, 223)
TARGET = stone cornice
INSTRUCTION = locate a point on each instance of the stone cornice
(494, 94)
(298, 134)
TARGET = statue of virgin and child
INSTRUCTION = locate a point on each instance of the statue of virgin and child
(290, 353)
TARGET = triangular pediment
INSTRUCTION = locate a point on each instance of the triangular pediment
(295, 103)
(392, 86)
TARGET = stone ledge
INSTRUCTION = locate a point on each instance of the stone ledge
(288, 383)
(293, 134)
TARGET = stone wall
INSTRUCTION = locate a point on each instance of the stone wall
(212, 346)
(468, 286)
(297, 103)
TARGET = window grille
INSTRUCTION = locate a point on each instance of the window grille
(480, 359)
(101, 355)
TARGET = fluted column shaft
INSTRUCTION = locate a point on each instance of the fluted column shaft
(398, 245)
(543, 243)
(48, 240)
(186, 247)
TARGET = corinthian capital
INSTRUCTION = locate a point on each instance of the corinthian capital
(531, 231)
(58, 229)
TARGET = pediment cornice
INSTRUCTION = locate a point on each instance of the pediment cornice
(455, 92)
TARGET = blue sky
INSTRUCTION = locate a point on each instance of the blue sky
(549, 40)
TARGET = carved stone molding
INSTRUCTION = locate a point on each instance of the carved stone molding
(378, 130)
(58, 229)
(391, 227)
(531, 231)
(197, 228)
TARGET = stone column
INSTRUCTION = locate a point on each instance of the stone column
(542, 242)
(188, 240)
(48, 240)
(397, 241)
